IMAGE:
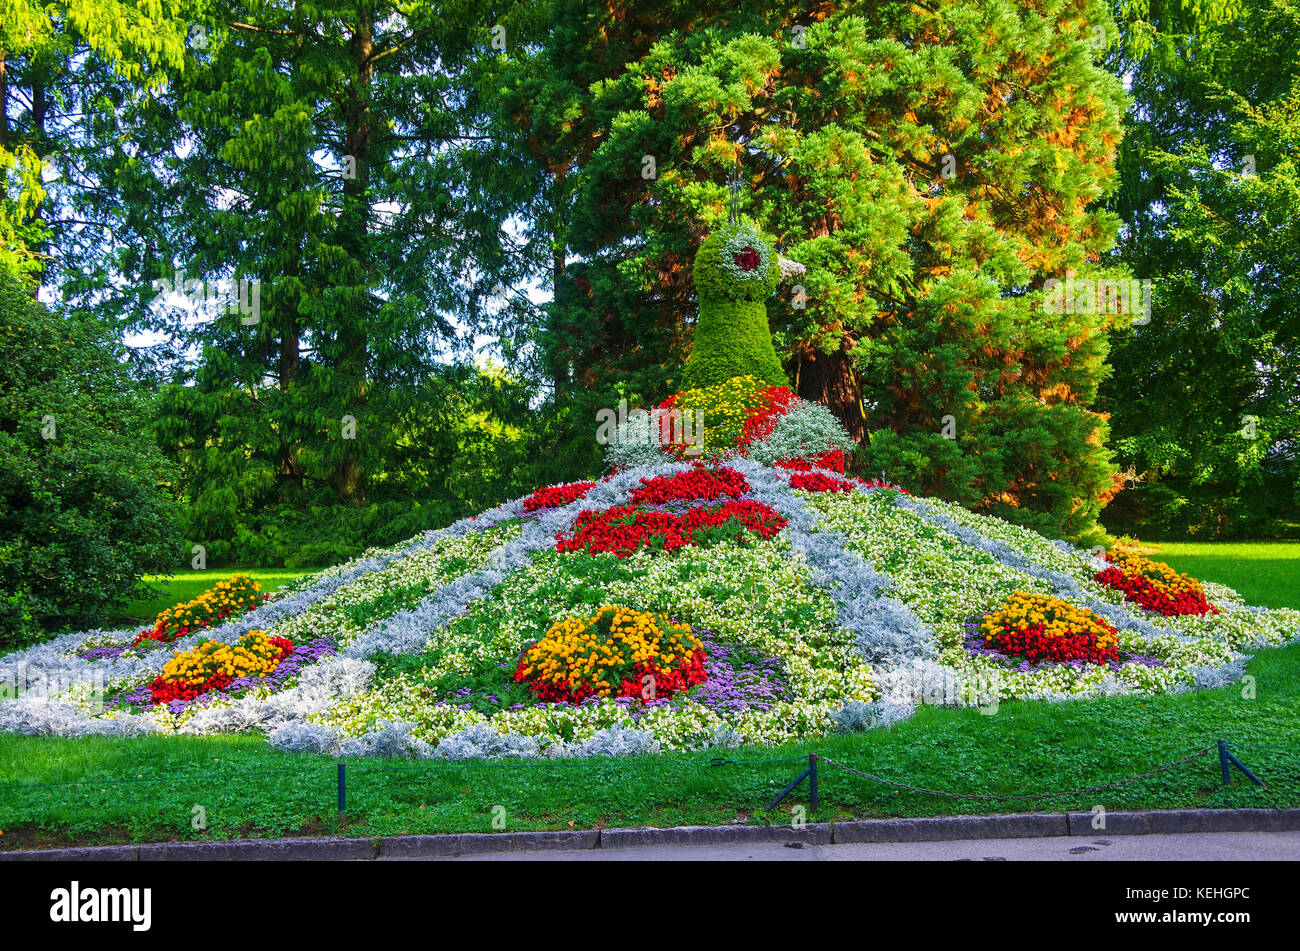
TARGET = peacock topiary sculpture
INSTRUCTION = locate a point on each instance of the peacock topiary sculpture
(736, 270)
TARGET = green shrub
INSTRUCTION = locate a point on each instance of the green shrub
(82, 517)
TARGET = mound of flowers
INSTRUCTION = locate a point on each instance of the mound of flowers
(1040, 627)
(625, 529)
(618, 652)
(1154, 585)
(222, 602)
(215, 666)
(554, 496)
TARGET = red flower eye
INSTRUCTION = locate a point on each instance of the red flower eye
(747, 259)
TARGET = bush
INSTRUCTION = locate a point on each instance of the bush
(807, 430)
(82, 517)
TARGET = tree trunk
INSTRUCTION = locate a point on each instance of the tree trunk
(829, 379)
(349, 476)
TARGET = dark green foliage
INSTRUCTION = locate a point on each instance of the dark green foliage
(732, 337)
(932, 167)
(1205, 399)
(82, 512)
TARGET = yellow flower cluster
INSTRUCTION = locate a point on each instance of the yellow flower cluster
(1024, 610)
(253, 655)
(1158, 573)
(224, 600)
(594, 656)
(725, 408)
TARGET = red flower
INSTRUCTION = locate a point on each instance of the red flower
(553, 496)
(697, 484)
(1031, 644)
(747, 259)
(1153, 597)
(819, 482)
(624, 529)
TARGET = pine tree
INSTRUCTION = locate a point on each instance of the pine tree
(1206, 396)
(327, 170)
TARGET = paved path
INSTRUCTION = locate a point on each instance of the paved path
(1202, 846)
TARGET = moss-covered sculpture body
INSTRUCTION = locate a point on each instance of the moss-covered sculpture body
(736, 270)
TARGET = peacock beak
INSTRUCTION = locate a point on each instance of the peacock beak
(789, 268)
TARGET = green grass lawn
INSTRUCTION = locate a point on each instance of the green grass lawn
(187, 585)
(147, 789)
(1266, 573)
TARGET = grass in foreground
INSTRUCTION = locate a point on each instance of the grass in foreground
(148, 789)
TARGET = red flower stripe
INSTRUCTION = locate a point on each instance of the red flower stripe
(554, 496)
(698, 484)
(624, 529)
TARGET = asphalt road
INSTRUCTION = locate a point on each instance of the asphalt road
(1200, 846)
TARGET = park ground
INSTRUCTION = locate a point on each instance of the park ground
(97, 790)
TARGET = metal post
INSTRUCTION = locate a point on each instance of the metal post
(343, 790)
(812, 779)
(1232, 758)
(1228, 759)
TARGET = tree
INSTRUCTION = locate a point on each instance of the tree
(934, 166)
(83, 508)
(310, 217)
(105, 44)
(1205, 398)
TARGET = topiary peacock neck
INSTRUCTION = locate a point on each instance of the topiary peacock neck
(736, 270)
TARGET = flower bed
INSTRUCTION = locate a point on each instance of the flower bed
(1154, 586)
(222, 602)
(618, 652)
(554, 496)
(806, 606)
(1039, 627)
(214, 666)
(697, 484)
(819, 482)
(624, 529)
(777, 663)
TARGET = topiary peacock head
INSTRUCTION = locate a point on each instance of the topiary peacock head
(736, 270)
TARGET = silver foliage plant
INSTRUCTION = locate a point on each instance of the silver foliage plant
(886, 630)
(805, 430)
(617, 740)
(388, 740)
(481, 741)
(304, 737)
(858, 717)
(635, 444)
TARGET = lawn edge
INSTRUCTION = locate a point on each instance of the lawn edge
(933, 829)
